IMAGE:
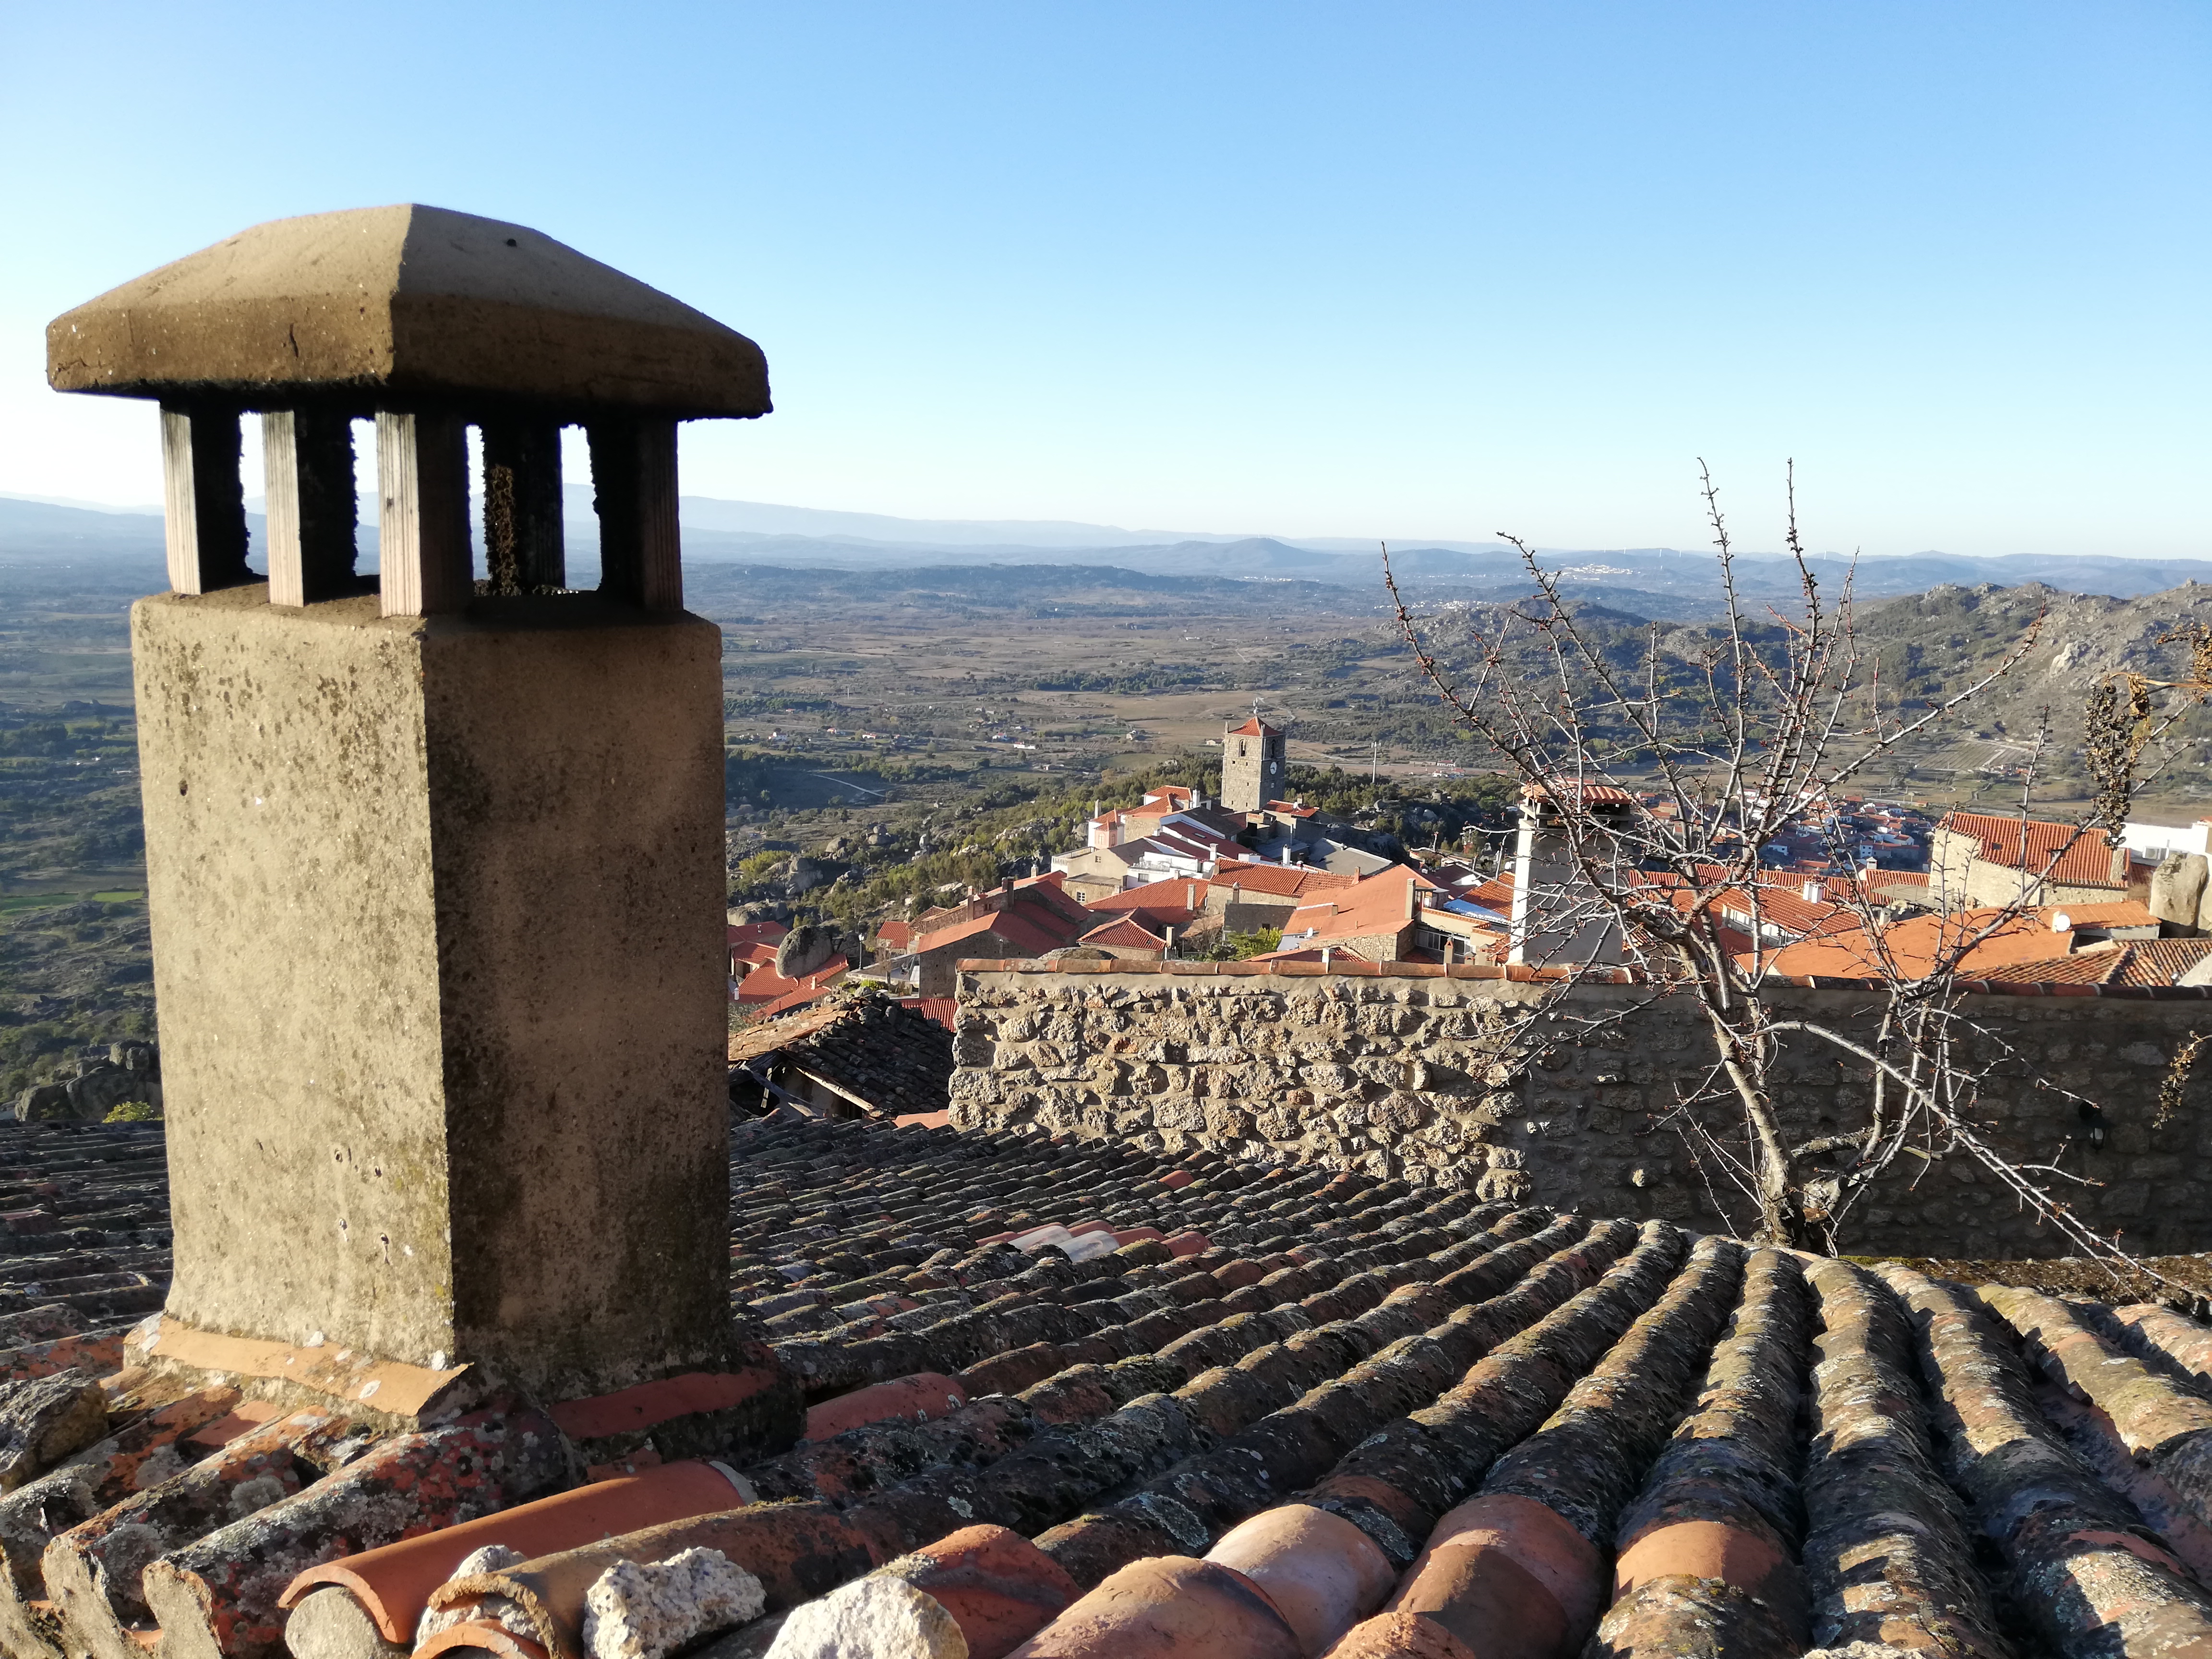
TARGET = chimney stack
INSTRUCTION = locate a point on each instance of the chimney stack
(435, 877)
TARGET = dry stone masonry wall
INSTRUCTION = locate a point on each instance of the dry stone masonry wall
(1470, 1079)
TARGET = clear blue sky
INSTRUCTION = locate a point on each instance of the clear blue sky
(1403, 270)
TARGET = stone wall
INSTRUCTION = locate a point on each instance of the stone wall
(1484, 1076)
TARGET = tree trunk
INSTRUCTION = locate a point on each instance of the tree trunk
(1781, 1201)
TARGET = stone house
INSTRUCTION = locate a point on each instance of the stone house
(1989, 859)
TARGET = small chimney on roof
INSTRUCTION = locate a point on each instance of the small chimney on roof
(1811, 892)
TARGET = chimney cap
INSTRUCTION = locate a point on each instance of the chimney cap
(405, 306)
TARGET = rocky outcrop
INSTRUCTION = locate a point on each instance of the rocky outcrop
(2177, 889)
(132, 1072)
(804, 949)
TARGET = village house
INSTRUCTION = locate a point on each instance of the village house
(1174, 912)
(1249, 897)
(1986, 858)
(752, 947)
(1397, 915)
(1022, 918)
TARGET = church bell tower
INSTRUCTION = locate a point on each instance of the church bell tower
(1253, 760)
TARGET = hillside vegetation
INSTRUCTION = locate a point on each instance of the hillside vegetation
(1922, 649)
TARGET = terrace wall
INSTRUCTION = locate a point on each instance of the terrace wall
(1489, 1077)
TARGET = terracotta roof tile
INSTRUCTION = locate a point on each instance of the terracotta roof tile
(1381, 903)
(2117, 913)
(763, 984)
(2064, 852)
(1262, 1403)
(2082, 968)
(2162, 961)
(1917, 944)
(1124, 931)
(1283, 880)
(868, 1047)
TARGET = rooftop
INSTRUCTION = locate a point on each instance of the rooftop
(1088, 1396)
(2141, 961)
(1280, 880)
(1125, 932)
(1915, 944)
(868, 1048)
(2064, 852)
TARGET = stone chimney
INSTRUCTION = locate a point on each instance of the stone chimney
(434, 860)
(1557, 919)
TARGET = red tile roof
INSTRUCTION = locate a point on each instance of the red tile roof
(1879, 878)
(1256, 727)
(1281, 880)
(764, 985)
(1513, 1343)
(1018, 927)
(2064, 852)
(1311, 953)
(1788, 910)
(1182, 894)
(2150, 961)
(1047, 894)
(1567, 789)
(2162, 961)
(2116, 913)
(1917, 944)
(798, 999)
(2090, 966)
(1380, 903)
(1123, 932)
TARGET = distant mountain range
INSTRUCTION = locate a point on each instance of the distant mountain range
(1661, 582)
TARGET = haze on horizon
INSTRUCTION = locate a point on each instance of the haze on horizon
(1423, 275)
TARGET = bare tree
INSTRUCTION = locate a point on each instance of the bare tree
(1654, 777)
